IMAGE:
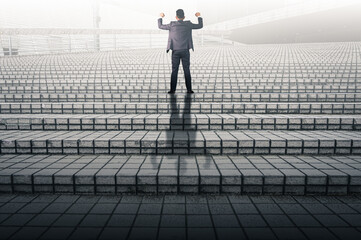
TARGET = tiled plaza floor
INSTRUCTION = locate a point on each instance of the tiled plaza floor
(179, 217)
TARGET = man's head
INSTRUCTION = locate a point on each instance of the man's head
(179, 14)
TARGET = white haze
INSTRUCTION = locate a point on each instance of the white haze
(132, 14)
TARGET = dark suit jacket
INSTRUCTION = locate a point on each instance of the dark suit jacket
(180, 33)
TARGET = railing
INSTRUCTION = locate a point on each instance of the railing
(25, 41)
(42, 44)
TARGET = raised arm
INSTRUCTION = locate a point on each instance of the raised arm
(160, 23)
(200, 22)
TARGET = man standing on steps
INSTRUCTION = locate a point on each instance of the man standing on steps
(180, 41)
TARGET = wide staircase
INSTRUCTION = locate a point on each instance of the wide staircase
(266, 119)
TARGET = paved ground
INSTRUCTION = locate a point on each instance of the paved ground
(179, 217)
(267, 105)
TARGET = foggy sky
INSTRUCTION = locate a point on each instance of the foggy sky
(131, 14)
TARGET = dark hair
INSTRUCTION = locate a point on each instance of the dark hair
(180, 13)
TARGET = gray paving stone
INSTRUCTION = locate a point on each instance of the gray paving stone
(245, 208)
(314, 233)
(33, 207)
(288, 233)
(57, 233)
(304, 221)
(68, 220)
(220, 209)
(29, 233)
(150, 209)
(196, 208)
(251, 221)
(279, 220)
(199, 221)
(94, 220)
(18, 220)
(43, 220)
(174, 208)
(177, 221)
(172, 233)
(86, 232)
(147, 221)
(11, 207)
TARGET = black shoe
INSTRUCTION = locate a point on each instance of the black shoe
(190, 91)
(171, 92)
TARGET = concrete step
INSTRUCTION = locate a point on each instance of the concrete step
(161, 81)
(144, 174)
(180, 142)
(178, 122)
(197, 97)
(186, 106)
(203, 88)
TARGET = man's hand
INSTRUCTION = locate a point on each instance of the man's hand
(198, 14)
(161, 15)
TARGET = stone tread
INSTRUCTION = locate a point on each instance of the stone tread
(186, 106)
(197, 97)
(178, 122)
(181, 142)
(180, 174)
(206, 88)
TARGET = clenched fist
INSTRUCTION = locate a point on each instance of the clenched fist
(198, 14)
(161, 15)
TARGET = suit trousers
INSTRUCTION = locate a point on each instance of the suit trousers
(177, 56)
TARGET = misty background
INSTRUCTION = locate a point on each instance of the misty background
(338, 24)
(133, 14)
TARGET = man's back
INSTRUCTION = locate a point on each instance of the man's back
(180, 33)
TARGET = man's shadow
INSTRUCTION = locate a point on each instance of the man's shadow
(179, 120)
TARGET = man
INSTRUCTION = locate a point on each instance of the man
(180, 41)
